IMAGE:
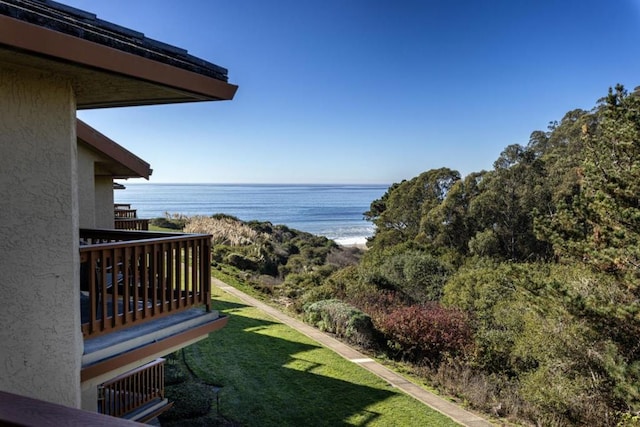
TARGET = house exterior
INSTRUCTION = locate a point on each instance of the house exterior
(55, 60)
(100, 161)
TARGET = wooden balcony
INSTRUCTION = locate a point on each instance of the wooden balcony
(131, 224)
(125, 213)
(137, 394)
(132, 277)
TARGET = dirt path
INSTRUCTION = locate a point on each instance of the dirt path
(449, 409)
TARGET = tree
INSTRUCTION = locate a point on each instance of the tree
(597, 220)
(450, 224)
(398, 214)
(505, 203)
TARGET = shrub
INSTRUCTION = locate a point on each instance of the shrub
(378, 303)
(191, 399)
(344, 256)
(219, 252)
(172, 223)
(415, 273)
(242, 262)
(428, 332)
(341, 319)
(174, 373)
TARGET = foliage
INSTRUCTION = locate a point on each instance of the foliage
(516, 288)
(174, 373)
(225, 230)
(398, 214)
(342, 319)
(271, 250)
(170, 221)
(192, 399)
(427, 333)
(602, 224)
(414, 273)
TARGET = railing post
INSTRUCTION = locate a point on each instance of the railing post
(129, 277)
(206, 276)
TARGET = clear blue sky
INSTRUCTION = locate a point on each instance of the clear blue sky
(366, 91)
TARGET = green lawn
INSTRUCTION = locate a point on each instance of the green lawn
(272, 375)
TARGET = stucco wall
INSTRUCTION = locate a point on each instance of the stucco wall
(104, 201)
(86, 187)
(41, 342)
(95, 193)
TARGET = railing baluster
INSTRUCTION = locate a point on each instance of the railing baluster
(132, 390)
(159, 276)
(178, 275)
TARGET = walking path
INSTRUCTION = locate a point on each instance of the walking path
(449, 409)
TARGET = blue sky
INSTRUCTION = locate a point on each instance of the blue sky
(340, 91)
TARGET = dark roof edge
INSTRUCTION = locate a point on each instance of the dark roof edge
(84, 25)
(113, 150)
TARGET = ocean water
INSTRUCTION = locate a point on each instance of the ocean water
(334, 211)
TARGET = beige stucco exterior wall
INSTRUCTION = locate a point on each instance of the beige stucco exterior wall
(104, 202)
(95, 193)
(41, 343)
(86, 185)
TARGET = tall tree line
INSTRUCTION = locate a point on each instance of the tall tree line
(543, 253)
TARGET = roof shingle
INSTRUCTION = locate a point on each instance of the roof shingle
(78, 23)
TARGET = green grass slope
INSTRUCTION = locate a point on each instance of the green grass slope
(272, 375)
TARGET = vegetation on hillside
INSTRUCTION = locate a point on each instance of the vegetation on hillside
(530, 272)
(275, 259)
(515, 289)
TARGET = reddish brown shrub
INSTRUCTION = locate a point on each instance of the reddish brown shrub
(427, 332)
(377, 303)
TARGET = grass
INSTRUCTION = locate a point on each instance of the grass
(272, 375)
(162, 229)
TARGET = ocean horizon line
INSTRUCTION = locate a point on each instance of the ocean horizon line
(257, 183)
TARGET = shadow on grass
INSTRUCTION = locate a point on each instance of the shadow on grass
(273, 376)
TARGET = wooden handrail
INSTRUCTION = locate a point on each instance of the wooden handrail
(131, 224)
(126, 282)
(98, 235)
(125, 213)
(132, 390)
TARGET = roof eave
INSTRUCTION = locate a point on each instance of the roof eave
(96, 70)
(115, 152)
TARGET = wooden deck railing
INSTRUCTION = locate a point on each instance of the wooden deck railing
(129, 277)
(122, 205)
(125, 213)
(132, 224)
(132, 390)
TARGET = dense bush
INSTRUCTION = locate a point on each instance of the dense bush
(428, 332)
(191, 399)
(174, 373)
(175, 222)
(242, 262)
(341, 319)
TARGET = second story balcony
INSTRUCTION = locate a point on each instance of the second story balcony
(142, 289)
